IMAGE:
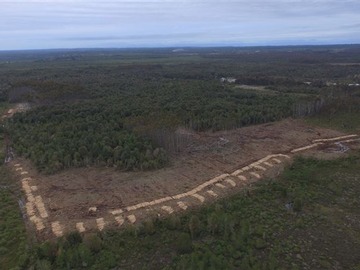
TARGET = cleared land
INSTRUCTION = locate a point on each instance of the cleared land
(213, 166)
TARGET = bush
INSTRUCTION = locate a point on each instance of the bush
(93, 242)
(23, 260)
(72, 258)
(74, 238)
(297, 205)
(260, 243)
(194, 226)
(2, 158)
(47, 251)
(3, 250)
(106, 260)
(85, 255)
(213, 223)
(43, 265)
(173, 223)
(183, 243)
(149, 227)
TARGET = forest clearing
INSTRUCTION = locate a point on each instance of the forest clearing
(105, 198)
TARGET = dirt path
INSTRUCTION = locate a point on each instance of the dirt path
(214, 166)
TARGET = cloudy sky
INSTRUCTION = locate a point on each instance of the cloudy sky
(30, 24)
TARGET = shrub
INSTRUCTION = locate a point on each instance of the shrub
(260, 243)
(297, 205)
(194, 226)
(2, 158)
(93, 242)
(43, 265)
(173, 223)
(74, 238)
(105, 260)
(85, 255)
(23, 260)
(72, 258)
(213, 223)
(3, 250)
(183, 243)
(47, 251)
(149, 227)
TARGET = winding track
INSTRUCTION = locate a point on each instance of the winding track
(209, 190)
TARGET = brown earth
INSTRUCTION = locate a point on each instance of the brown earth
(69, 195)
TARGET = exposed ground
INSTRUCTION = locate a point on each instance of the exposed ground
(92, 198)
(20, 107)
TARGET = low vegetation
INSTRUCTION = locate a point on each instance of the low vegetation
(14, 246)
(341, 114)
(14, 243)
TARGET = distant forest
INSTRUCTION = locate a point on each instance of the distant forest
(122, 108)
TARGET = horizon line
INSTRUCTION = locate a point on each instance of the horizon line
(181, 47)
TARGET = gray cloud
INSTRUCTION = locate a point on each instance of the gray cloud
(94, 23)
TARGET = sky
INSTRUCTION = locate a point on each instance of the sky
(47, 24)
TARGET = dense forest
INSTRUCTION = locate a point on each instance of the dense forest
(112, 130)
(61, 138)
(122, 108)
